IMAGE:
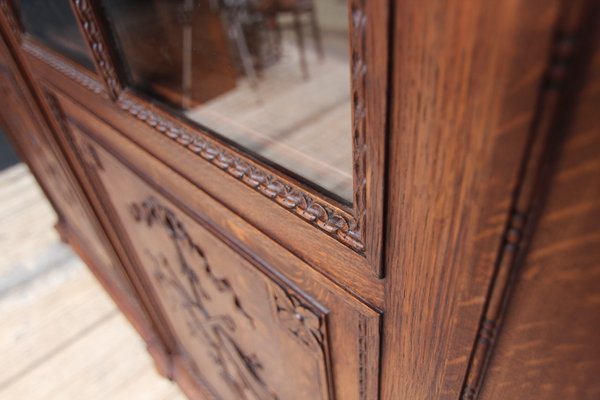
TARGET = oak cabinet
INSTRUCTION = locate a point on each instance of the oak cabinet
(327, 199)
(242, 325)
(31, 137)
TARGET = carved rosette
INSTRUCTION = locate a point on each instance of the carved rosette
(300, 320)
(200, 296)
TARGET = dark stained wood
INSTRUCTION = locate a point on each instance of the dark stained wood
(294, 233)
(362, 229)
(359, 349)
(369, 27)
(467, 266)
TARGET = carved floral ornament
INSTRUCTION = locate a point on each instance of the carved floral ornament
(293, 312)
(298, 319)
(194, 288)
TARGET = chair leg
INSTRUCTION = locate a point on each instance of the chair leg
(240, 41)
(316, 33)
(300, 41)
(278, 35)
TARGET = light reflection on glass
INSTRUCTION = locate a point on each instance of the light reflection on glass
(270, 75)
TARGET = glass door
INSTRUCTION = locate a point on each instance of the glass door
(270, 76)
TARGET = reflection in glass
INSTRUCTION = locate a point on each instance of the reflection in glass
(53, 23)
(270, 75)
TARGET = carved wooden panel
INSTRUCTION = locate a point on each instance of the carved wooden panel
(247, 331)
(23, 122)
(232, 322)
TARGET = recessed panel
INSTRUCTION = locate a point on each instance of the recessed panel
(250, 328)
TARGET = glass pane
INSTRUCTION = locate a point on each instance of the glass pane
(53, 23)
(272, 76)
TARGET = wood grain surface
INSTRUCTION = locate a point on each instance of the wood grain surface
(467, 266)
(548, 346)
(465, 81)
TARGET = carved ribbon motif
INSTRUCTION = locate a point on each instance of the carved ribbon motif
(189, 286)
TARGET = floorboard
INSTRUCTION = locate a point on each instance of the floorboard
(61, 336)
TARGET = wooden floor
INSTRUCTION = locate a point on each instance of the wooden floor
(61, 336)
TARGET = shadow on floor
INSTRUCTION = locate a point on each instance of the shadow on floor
(8, 157)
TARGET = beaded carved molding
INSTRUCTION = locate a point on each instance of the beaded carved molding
(336, 222)
(97, 44)
(345, 226)
(299, 320)
(358, 25)
(348, 228)
(64, 68)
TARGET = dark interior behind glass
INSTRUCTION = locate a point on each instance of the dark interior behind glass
(53, 23)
